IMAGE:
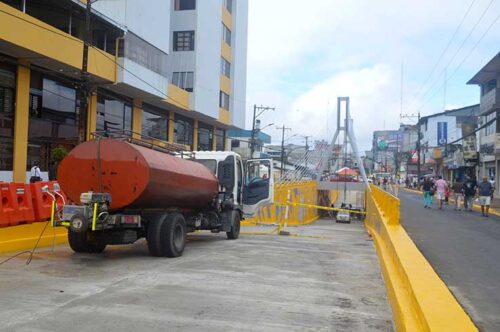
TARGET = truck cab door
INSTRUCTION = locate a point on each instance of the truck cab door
(258, 187)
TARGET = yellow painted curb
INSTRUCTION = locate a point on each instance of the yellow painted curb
(24, 237)
(419, 299)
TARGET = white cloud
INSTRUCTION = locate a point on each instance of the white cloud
(372, 103)
(302, 55)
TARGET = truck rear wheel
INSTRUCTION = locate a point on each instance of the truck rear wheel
(153, 235)
(85, 243)
(234, 233)
(173, 235)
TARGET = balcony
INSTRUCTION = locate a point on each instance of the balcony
(490, 101)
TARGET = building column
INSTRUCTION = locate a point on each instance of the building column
(171, 124)
(214, 139)
(21, 123)
(92, 115)
(227, 142)
(137, 118)
(195, 135)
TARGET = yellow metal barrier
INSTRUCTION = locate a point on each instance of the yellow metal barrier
(303, 192)
(420, 300)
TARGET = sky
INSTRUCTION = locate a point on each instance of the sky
(302, 55)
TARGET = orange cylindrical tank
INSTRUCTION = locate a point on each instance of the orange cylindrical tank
(135, 176)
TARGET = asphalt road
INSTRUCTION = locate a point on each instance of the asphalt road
(464, 249)
(326, 278)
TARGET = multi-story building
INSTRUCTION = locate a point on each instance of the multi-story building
(386, 147)
(443, 151)
(155, 70)
(489, 136)
(208, 56)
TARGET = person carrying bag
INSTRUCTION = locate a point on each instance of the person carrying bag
(35, 174)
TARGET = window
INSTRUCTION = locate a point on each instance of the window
(205, 137)
(183, 80)
(113, 114)
(491, 128)
(235, 143)
(154, 122)
(220, 136)
(211, 164)
(229, 5)
(183, 130)
(225, 67)
(224, 100)
(7, 96)
(53, 112)
(226, 34)
(185, 4)
(184, 41)
(140, 51)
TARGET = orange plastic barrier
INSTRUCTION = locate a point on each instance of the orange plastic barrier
(42, 201)
(16, 204)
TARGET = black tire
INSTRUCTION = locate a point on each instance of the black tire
(85, 243)
(234, 233)
(153, 235)
(173, 235)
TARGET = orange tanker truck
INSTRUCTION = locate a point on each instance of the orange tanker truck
(123, 189)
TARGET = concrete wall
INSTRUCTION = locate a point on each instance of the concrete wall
(420, 300)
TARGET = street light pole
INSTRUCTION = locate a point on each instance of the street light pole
(262, 109)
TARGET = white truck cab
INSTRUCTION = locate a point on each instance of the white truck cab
(251, 182)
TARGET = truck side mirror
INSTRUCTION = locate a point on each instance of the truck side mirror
(226, 173)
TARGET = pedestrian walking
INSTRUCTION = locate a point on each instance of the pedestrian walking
(484, 190)
(470, 187)
(427, 188)
(395, 187)
(457, 189)
(492, 181)
(447, 194)
(440, 190)
(35, 174)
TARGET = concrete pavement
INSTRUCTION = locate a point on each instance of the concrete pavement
(464, 249)
(325, 279)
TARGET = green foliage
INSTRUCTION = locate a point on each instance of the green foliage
(59, 153)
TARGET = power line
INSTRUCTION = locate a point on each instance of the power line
(446, 48)
(461, 63)
(458, 50)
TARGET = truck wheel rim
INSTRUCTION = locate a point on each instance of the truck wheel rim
(77, 223)
(178, 236)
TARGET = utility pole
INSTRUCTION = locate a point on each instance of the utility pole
(412, 116)
(85, 77)
(418, 148)
(283, 128)
(262, 109)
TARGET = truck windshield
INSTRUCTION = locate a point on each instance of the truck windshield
(211, 164)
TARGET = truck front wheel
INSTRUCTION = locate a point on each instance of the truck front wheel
(234, 233)
(85, 243)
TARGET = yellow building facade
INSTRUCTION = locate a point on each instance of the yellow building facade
(40, 91)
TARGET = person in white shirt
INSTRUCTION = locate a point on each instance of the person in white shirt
(35, 174)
